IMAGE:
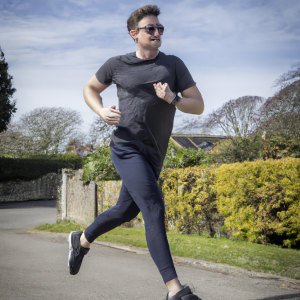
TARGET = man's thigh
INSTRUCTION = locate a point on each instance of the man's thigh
(138, 178)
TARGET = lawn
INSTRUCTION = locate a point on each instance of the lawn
(253, 257)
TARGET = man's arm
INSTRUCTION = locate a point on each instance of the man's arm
(191, 101)
(91, 93)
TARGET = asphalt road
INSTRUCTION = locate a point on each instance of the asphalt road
(34, 266)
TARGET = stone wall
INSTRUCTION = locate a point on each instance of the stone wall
(76, 200)
(108, 193)
(44, 188)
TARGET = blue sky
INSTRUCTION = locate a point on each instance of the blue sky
(232, 48)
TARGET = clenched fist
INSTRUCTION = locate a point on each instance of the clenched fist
(164, 92)
(110, 115)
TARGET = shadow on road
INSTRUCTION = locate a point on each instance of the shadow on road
(28, 204)
(290, 296)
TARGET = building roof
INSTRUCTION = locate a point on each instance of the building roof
(205, 142)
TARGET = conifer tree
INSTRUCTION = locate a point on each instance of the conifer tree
(7, 107)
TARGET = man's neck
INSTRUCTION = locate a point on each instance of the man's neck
(146, 54)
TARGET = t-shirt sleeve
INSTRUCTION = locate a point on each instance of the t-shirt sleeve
(184, 79)
(106, 71)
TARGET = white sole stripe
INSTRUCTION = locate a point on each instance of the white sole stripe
(70, 248)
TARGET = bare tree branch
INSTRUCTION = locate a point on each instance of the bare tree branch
(289, 77)
(41, 131)
(235, 117)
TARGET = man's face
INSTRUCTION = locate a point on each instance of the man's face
(146, 40)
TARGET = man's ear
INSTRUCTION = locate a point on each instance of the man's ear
(133, 34)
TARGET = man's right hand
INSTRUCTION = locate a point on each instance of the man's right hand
(110, 115)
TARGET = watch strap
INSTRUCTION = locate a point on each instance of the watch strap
(176, 100)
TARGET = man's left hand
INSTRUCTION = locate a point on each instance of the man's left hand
(164, 92)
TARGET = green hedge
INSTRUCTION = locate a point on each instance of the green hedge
(36, 166)
(258, 201)
(99, 166)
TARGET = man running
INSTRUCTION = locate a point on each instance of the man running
(148, 83)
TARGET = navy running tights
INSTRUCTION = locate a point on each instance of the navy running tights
(139, 192)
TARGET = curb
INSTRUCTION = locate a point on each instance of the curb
(192, 262)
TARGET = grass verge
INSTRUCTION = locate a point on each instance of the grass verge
(253, 257)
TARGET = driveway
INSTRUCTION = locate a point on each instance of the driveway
(34, 266)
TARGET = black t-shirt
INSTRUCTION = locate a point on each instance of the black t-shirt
(146, 120)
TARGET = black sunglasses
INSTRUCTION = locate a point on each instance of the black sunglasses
(151, 29)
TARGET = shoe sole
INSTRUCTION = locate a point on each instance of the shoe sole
(70, 248)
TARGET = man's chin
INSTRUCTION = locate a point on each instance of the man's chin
(155, 46)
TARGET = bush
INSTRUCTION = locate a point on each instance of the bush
(99, 166)
(238, 149)
(256, 201)
(34, 167)
(261, 200)
(184, 157)
(190, 200)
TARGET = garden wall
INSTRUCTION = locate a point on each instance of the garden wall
(81, 202)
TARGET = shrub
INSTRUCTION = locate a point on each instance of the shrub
(184, 157)
(36, 166)
(256, 201)
(99, 166)
(261, 200)
(190, 200)
(238, 149)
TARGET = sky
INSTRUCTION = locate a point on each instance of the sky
(232, 48)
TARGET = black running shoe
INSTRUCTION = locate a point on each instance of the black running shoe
(76, 252)
(184, 294)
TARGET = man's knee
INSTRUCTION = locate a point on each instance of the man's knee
(130, 215)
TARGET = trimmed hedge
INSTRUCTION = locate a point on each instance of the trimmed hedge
(261, 200)
(190, 198)
(256, 201)
(37, 166)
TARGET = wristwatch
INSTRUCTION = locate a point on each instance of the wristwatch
(176, 100)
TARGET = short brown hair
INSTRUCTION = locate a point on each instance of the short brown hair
(139, 14)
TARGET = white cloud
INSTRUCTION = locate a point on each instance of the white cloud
(232, 48)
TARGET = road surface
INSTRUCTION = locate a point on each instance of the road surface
(34, 266)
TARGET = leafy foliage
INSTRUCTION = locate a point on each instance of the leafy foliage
(261, 200)
(191, 203)
(184, 157)
(36, 166)
(99, 166)
(257, 201)
(238, 149)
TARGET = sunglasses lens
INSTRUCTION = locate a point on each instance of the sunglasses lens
(150, 30)
(160, 30)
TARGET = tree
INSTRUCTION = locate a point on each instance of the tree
(7, 108)
(281, 113)
(236, 118)
(44, 130)
(289, 77)
(100, 132)
(192, 124)
(279, 117)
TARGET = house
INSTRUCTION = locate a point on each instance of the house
(205, 142)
